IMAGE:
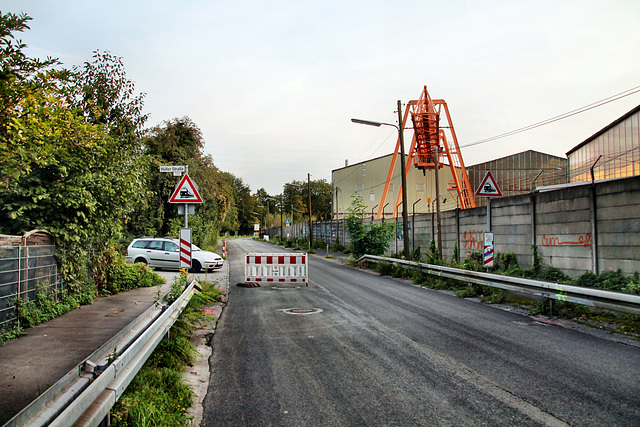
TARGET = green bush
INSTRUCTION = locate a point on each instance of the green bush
(372, 239)
(48, 304)
(610, 280)
(319, 244)
(384, 268)
(336, 247)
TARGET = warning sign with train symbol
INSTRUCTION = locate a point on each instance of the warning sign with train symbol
(185, 192)
(488, 187)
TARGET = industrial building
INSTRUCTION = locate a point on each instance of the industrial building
(520, 173)
(367, 179)
(612, 152)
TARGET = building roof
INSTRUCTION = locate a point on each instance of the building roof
(514, 155)
(604, 129)
(366, 161)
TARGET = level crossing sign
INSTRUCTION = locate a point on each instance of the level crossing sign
(488, 187)
(185, 192)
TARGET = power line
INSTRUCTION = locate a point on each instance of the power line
(559, 117)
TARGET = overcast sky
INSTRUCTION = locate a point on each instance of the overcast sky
(273, 84)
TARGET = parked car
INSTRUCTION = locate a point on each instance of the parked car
(164, 252)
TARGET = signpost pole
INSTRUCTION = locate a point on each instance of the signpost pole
(186, 205)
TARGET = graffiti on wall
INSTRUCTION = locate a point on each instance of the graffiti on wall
(583, 240)
(626, 234)
(472, 240)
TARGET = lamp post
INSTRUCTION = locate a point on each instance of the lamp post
(405, 224)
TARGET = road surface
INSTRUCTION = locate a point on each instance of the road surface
(369, 350)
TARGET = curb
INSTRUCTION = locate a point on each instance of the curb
(197, 375)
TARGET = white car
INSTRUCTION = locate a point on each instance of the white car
(164, 252)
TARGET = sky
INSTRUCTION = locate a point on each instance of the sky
(273, 85)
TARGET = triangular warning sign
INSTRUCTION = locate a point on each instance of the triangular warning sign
(488, 187)
(185, 192)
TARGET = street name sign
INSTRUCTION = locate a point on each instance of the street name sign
(176, 170)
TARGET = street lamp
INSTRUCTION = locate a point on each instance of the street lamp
(405, 224)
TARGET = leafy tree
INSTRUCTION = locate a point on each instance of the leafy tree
(268, 205)
(241, 218)
(297, 193)
(104, 94)
(77, 179)
(321, 199)
(299, 207)
(372, 239)
(180, 142)
(22, 79)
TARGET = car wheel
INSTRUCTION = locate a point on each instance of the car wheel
(142, 260)
(195, 267)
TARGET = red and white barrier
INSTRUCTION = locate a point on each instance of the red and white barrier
(185, 247)
(278, 268)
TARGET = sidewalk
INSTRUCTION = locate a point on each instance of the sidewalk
(30, 364)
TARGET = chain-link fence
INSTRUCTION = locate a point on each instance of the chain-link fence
(24, 270)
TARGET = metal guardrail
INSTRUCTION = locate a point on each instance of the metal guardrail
(87, 393)
(592, 297)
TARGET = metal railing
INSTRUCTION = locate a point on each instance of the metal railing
(592, 297)
(23, 269)
(85, 395)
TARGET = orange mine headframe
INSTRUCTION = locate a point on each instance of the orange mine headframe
(429, 132)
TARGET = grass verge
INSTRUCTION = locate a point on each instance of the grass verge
(158, 396)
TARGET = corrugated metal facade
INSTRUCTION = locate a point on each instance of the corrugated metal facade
(515, 174)
(619, 145)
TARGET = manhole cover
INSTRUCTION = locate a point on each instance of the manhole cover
(302, 311)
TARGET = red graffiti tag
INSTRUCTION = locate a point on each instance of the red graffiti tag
(472, 240)
(583, 240)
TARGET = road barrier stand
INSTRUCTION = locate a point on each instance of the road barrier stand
(276, 268)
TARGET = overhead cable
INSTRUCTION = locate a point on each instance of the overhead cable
(559, 117)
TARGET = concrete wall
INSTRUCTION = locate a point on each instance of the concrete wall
(560, 222)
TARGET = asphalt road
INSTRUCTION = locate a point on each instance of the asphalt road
(385, 352)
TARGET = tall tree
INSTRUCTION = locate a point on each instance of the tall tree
(320, 197)
(244, 204)
(21, 78)
(75, 179)
(101, 90)
(180, 142)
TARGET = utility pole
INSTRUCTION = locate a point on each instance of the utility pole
(439, 239)
(405, 222)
